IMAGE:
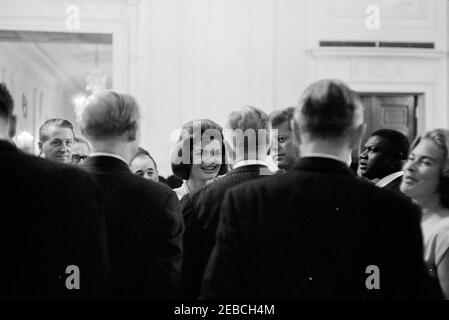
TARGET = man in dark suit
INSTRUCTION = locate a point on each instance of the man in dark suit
(202, 209)
(143, 219)
(382, 158)
(318, 232)
(52, 239)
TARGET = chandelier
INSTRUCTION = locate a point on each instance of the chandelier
(95, 83)
(96, 80)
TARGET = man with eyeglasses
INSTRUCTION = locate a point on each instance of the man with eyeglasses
(56, 138)
(80, 151)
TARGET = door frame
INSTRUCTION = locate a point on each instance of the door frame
(419, 110)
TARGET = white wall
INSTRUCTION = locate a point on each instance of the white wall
(41, 88)
(381, 69)
(187, 59)
(206, 58)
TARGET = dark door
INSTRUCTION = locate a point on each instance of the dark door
(390, 111)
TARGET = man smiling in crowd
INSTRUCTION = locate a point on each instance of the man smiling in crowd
(56, 137)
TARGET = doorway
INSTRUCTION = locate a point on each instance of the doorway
(50, 74)
(397, 111)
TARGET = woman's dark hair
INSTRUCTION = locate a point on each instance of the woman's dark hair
(174, 182)
(185, 142)
(440, 137)
(142, 152)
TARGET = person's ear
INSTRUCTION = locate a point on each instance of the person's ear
(12, 126)
(131, 134)
(40, 145)
(229, 157)
(398, 156)
(396, 160)
(269, 141)
(296, 132)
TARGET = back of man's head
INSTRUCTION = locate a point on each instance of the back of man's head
(7, 120)
(247, 133)
(6, 102)
(328, 110)
(110, 115)
(80, 140)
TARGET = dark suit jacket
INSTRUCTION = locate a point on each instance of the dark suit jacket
(50, 219)
(201, 213)
(144, 228)
(312, 234)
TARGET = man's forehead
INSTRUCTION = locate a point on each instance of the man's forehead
(379, 143)
(56, 132)
(374, 141)
(282, 127)
(144, 162)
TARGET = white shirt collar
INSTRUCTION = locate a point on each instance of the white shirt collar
(106, 154)
(386, 180)
(243, 163)
(328, 156)
(182, 190)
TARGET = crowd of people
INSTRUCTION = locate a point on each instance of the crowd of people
(325, 225)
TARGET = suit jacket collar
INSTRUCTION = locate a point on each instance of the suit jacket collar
(105, 163)
(394, 185)
(389, 179)
(249, 168)
(322, 165)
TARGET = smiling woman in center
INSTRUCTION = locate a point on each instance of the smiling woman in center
(198, 156)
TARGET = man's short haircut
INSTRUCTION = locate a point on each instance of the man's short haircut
(82, 140)
(328, 109)
(253, 119)
(141, 152)
(6, 102)
(248, 117)
(278, 117)
(60, 123)
(109, 114)
(397, 141)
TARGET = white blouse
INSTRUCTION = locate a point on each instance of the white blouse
(436, 240)
(182, 190)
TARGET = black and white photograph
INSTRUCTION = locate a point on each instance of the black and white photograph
(224, 158)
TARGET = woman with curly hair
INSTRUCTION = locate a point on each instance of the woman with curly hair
(426, 181)
(199, 155)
